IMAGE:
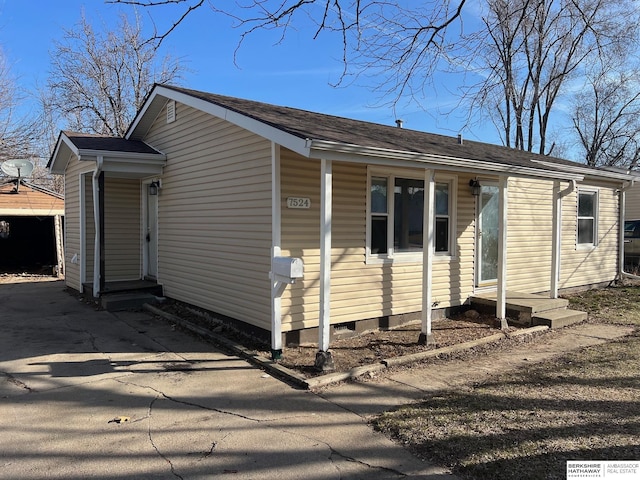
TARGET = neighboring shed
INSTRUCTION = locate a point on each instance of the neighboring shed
(31, 229)
(214, 198)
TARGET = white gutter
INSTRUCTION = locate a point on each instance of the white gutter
(608, 174)
(96, 220)
(369, 154)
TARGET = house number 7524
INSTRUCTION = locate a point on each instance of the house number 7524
(298, 202)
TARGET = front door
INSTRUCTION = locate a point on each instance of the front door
(151, 234)
(487, 236)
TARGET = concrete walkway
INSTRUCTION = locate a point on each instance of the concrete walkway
(92, 394)
(400, 386)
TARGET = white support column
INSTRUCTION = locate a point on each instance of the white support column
(428, 225)
(501, 294)
(556, 241)
(323, 357)
(276, 287)
(96, 220)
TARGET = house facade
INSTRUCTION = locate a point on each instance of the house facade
(209, 195)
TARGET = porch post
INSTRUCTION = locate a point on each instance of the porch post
(427, 257)
(501, 296)
(277, 288)
(98, 214)
(324, 360)
(556, 241)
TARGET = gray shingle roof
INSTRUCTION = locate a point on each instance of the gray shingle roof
(317, 126)
(88, 141)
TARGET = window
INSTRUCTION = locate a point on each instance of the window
(379, 215)
(587, 224)
(395, 220)
(442, 218)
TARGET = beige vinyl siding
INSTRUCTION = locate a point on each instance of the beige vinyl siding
(122, 229)
(359, 290)
(589, 265)
(632, 203)
(529, 231)
(214, 215)
(72, 185)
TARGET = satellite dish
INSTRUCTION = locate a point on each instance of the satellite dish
(17, 168)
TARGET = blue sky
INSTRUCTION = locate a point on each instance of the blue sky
(295, 73)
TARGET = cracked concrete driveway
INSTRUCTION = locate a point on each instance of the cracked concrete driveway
(92, 394)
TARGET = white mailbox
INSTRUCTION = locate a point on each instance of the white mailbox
(287, 269)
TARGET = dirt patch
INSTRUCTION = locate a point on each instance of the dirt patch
(352, 351)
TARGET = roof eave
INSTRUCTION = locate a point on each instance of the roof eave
(64, 149)
(91, 154)
(160, 94)
(340, 151)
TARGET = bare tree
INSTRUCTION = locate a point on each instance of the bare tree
(606, 118)
(535, 48)
(17, 131)
(98, 80)
(355, 21)
(520, 60)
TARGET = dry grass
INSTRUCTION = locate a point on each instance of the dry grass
(526, 425)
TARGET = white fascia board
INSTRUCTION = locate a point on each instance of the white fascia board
(135, 169)
(262, 129)
(588, 172)
(64, 149)
(378, 156)
(137, 157)
(31, 212)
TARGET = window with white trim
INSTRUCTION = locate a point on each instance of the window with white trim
(587, 217)
(396, 211)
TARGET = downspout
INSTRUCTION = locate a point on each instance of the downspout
(621, 208)
(556, 253)
(96, 219)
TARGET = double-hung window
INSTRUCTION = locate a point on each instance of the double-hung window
(396, 214)
(587, 217)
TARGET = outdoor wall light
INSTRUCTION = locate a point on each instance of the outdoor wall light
(154, 187)
(474, 184)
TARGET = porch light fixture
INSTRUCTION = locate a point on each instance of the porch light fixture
(474, 184)
(154, 187)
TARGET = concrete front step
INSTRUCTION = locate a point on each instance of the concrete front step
(528, 309)
(558, 318)
(522, 302)
(126, 301)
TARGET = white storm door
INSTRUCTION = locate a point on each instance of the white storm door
(487, 235)
(151, 235)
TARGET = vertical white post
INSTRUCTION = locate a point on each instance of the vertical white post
(556, 241)
(96, 220)
(501, 294)
(325, 253)
(276, 215)
(428, 226)
(621, 218)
